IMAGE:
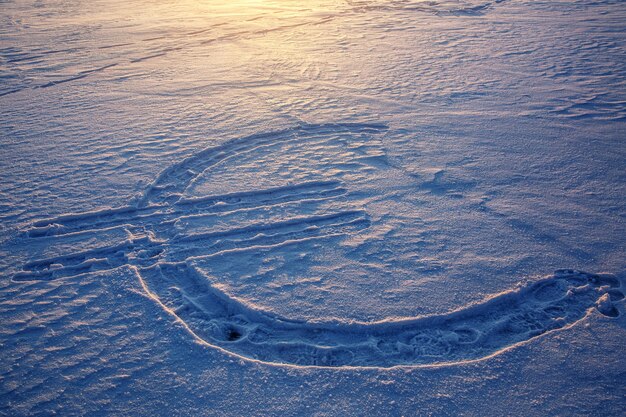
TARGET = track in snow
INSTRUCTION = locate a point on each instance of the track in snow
(468, 334)
(165, 243)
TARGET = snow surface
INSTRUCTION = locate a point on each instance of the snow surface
(312, 208)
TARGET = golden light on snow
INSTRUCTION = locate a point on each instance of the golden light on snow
(200, 197)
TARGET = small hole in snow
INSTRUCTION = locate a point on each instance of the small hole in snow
(232, 335)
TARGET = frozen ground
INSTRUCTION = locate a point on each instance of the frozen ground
(312, 208)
